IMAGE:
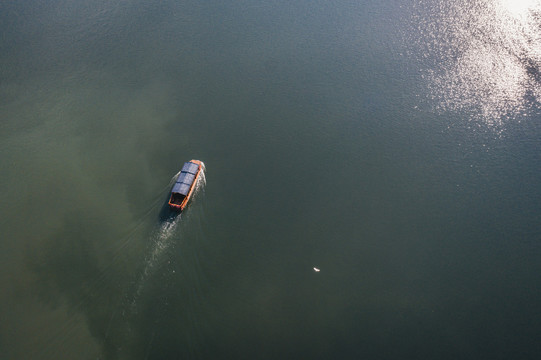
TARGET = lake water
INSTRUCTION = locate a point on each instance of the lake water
(394, 145)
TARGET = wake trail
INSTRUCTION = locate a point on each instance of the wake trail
(162, 240)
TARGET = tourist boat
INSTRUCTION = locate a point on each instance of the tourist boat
(185, 185)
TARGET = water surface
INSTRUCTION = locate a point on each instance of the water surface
(393, 145)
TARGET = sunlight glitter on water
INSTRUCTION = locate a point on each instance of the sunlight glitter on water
(519, 8)
(488, 58)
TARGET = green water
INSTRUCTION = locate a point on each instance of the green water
(394, 146)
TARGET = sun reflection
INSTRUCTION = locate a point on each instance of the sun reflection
(487, 57)
(518, 7)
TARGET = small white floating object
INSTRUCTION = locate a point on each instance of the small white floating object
(316, 269)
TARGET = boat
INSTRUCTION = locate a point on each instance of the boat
(184, 187)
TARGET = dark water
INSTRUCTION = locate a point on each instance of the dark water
(394, 145)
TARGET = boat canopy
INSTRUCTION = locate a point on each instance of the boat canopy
(185, 179)
(190, 167)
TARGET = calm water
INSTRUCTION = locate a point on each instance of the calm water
(395, 145)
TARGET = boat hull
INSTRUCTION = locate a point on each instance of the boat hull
(183, 189)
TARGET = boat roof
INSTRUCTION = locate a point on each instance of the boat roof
(190, 167)
(185, 179)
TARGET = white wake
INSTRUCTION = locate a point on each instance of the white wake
(162, 239)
